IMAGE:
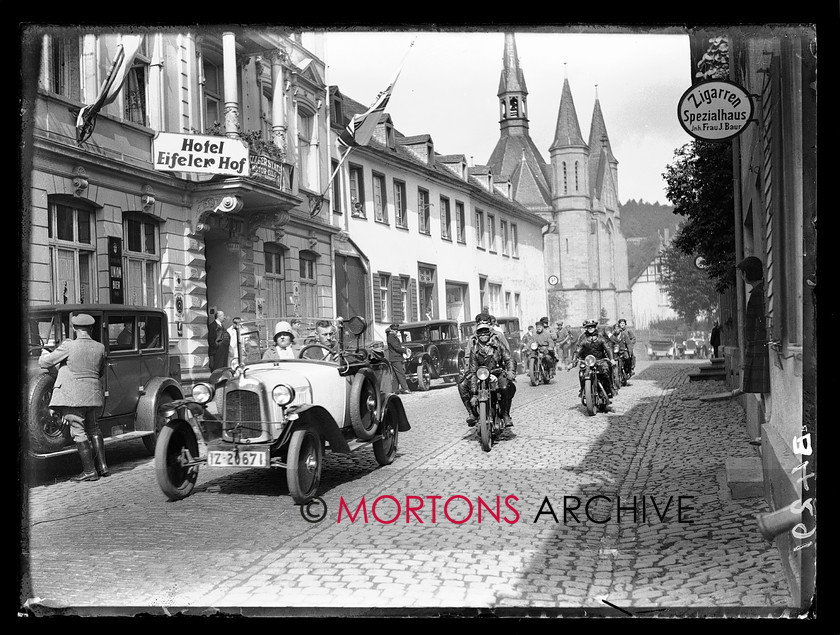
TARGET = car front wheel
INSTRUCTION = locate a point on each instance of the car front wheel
(174, 443)
(47, 432)
(303, 465)
(424, 375)
(150, 440)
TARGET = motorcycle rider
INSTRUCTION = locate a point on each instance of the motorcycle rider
(593, 343)
(545, 342)
(630, 338)
(489, 351)
(464, 383)
(620, 348)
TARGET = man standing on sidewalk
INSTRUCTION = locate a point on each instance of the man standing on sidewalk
(396, 352)
(756, 373)
(78, 395)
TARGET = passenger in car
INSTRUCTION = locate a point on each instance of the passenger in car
(283, 339)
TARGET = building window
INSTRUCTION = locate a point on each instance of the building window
(142, 260)
(428, 306)
(275, 281)
(213, 113)
(380, 202)
(306, 157)
(507, 303)
(135, 87)
(479, 229)
(336, 190)
(445, 219)
(494, 292)
(514, 240)
(307, 295)
(505, 238)
(61, 72)
(424, 223)
(565, 180)
(517, 305)
(460, 223)
(491, 233)
(401, 218)
(577, 187)
(357, 192)
(265, 110)
(384, 297)
(664, 300)
(72, 256)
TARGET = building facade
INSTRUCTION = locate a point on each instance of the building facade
(651, 301)
(103, 224)
(576, 192)
(443, 240)
(774, 176)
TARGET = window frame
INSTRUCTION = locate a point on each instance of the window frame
(460, 223)
(380, 207)
(400, 204)
(479, 228)
(424, 212)
(491, 233)
(79, 251)
(445, 219)
(356, 183)
(514, 240)
(149, 286)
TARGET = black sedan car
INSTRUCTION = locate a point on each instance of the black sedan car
(435, 352)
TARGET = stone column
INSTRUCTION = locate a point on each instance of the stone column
(278, 101)
(232, 128)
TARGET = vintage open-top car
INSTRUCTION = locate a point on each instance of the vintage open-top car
(282, 414)
(435, 351)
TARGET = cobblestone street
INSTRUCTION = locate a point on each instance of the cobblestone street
(497, 538)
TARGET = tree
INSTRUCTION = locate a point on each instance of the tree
(691, 291)
(699, 184)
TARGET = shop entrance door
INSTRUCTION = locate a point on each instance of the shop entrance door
(350, 284)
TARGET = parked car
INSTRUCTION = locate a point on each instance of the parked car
(436, 352)
(141, 373)
(283, 414)
(696, 345)
(661, 347)
(513, 334)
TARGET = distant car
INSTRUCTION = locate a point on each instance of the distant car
(696, 345)
(283, 414)
(513, 334)
(436, 351)
(141, 373)
(661, 347)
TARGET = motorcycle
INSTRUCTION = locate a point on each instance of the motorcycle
(620, 368)
(595, 397)
(540, 367)
(490, 419)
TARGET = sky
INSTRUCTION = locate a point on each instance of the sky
(449, 80)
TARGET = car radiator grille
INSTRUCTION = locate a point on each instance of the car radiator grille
(242, 411)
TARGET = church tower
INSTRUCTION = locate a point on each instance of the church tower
(577, 192)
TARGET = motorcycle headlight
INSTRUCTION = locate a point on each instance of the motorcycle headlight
(203, 393)
(283, 394)
(534, 346)
(590, 360)
(482, 373)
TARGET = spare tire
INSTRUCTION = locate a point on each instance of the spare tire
(364, 404)
(47, 432)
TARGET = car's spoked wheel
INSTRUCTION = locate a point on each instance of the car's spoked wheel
(385, 449)
(175, 479)
(47, 431)
(424, 376)
(484, 427)
(303, 465)
(364, 405)
(151, 440)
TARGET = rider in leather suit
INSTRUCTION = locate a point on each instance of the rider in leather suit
(630, 338)
(464, 382)
(490, 352)
(593, 343)
(546, 343)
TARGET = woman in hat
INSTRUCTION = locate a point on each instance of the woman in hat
(283, 339)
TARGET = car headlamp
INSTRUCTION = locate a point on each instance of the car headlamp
(202, 392)
(482, 373)
(283, 395)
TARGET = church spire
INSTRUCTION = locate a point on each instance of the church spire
(568, 129)
(513, 93)
(598, 137)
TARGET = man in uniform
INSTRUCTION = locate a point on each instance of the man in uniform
(545, 341)
(396, 355)
(630, 339)
(564, 341)
(591, 342)
(464, 381)
(78, 395)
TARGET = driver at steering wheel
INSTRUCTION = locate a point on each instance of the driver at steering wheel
(325, 336)
(490, 352)
(591, 342)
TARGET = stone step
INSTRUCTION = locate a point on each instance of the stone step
(744, 477)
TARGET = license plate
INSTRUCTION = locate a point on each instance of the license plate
(240, 458)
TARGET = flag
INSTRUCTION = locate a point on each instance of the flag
(123, 60)
(360, 129)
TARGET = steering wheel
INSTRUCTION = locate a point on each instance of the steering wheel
(327, 351)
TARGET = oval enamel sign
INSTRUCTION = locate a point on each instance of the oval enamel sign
(715, 110)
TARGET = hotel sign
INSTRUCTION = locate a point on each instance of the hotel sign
(715, 110)
(202, 154)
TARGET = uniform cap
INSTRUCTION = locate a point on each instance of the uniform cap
(82, 319)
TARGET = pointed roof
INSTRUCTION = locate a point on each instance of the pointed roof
(518, 153)
(599, 147)
(598, 132)
(568, 128)
(512, 79)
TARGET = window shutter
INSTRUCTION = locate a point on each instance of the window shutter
(412, 291)
(396, 303)
(377, 301)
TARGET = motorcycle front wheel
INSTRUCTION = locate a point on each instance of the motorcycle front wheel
(532, 371)
(484, 426)
(589, 396)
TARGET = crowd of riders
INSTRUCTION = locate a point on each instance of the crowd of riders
(488, 347)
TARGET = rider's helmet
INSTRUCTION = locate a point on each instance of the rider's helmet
(590, 324)
(483, 328)
(622, 323)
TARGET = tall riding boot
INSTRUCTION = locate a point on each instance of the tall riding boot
(99, 454)
(86, 456)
